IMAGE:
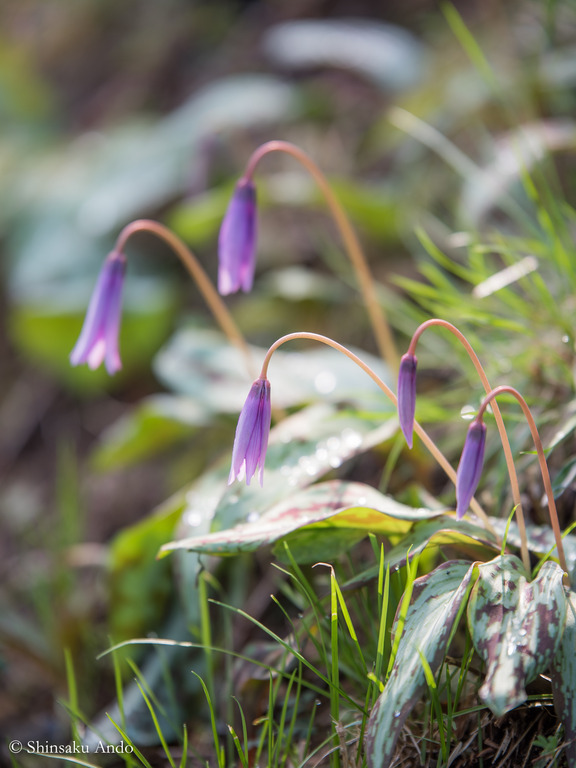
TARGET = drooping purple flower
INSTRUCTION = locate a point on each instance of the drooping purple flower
(470, 466)
(98, 340)
(407, 395)
(237, 241)
(251, 440)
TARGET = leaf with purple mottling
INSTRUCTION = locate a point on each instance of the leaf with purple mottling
(353, 508)
(436, 601)
(563, 674)
(516, 626)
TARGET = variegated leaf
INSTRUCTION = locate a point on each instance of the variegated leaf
(563, 675)
(516, 626)
(336, 506)
(436, 601)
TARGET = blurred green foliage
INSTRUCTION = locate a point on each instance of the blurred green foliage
(454, 161)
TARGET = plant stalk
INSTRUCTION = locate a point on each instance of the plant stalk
(426, 439)
(211, 296)
(541, 460)
(380, 325)
(499, 423)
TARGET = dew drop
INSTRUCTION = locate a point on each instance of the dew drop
(193, 518)
(325, 382)
(253, 517)
(351, 438)
(468, 412)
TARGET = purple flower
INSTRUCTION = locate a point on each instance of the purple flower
(470, 466)
(407, 395)
(237, 241)
(251, 438)
(98, 340)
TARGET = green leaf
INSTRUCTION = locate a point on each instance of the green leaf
(437, 599)
(563, 674)
(156, 423)
(134, 572)
(516, 627)
(348, 510)
(48, 334)
(198, 220)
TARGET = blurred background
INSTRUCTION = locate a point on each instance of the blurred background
(116, 111)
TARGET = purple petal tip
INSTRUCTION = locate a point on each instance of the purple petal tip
(251, 439)
(98, 340)
(470, 466)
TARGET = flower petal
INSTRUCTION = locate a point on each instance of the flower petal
(251, 439)
(407, 395)
(98, 339)
(237, 241)
(470, 466)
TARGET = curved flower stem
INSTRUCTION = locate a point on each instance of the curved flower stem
(208, 291)
(426, 439)
(541, 460)
(382, 331)
(499, 423)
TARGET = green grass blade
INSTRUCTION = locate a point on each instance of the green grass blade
(129, 741)
(217, 748)
(156, 724)
(184, 758)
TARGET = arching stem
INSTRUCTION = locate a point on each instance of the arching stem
(497, 417)
(541, 460)
(426, 439)
(211, 296)
(384, 337)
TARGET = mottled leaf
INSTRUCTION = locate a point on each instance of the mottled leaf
(563, 674)
(335, 507)
(436, 601)
(302, 448)
(516, 626)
